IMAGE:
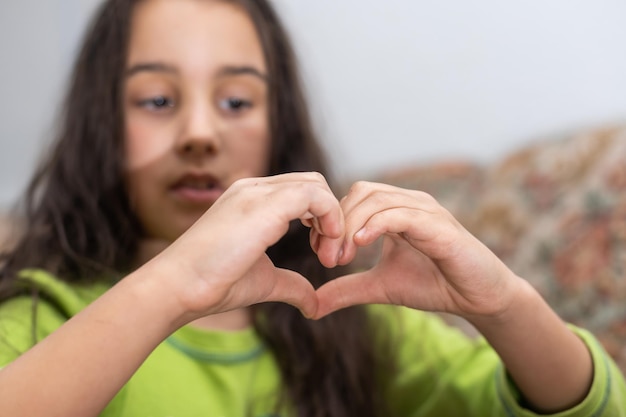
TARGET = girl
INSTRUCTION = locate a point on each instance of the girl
(168, 239)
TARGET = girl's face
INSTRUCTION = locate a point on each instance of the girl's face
(195, 107)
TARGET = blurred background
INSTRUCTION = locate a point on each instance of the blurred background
(391, 83)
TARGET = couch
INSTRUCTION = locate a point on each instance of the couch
(555, 212)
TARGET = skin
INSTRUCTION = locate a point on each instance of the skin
(197, 265)
(195, 111)
(193, 106)
(430, 262)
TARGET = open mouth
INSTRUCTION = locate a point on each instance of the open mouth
(197, 183)
(197, 188)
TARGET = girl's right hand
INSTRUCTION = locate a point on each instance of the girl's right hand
(220, 264)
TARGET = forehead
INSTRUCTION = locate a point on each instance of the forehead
(194, 35)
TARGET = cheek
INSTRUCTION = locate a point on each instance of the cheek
(255, 147)
(143, 198)
(145, 144)
(138, 181)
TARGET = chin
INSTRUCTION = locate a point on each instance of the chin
(182, 226)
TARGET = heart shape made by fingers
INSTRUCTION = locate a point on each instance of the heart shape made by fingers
(389, 270)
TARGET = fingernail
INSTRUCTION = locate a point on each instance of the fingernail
(340, 254)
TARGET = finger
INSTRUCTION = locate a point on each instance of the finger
(314, 240)
(367, 199)
(363, 190)
(328, 236)
(311, 222)
(294, 289)
(302, 195)
(329, 251)
(349, 290)
(280, 204)
(362, 201)
(270, 204)
(314, 203)
(435, 234)
(358, 193)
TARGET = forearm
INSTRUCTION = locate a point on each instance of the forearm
(550, 365)
(80, 367)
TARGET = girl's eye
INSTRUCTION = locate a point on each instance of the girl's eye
(234, 104)
(157, 103)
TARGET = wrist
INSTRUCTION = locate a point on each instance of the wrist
(518, 298)
(151, 289)
(549, 364)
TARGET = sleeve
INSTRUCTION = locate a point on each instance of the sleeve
(23, 323)
(606, 397)
(439, 371)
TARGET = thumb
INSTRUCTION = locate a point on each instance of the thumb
(292, 288)
(349, 290)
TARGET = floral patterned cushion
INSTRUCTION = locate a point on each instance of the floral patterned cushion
(555, 212)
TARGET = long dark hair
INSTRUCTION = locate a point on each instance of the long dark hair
(79, 224)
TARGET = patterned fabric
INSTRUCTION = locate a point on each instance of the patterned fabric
(555, 212)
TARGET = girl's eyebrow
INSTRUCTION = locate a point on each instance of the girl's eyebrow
(223, 72)
(242, 70)
(150, 67)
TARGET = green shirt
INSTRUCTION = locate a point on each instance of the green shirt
(440, 371)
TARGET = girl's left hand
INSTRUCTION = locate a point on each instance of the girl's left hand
(428, 260)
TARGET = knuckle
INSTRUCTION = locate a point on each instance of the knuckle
(316, 176)
(426, 198)
(242, 183)
(360, 186)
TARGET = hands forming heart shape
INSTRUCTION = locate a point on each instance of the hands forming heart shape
(428, 260)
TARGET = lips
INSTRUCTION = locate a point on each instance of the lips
(197, 188)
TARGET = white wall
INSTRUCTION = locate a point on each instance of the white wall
(37, 44)
(392, 81)
(399, 81)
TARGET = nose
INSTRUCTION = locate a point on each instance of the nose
(199, 137)
(197, 147)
